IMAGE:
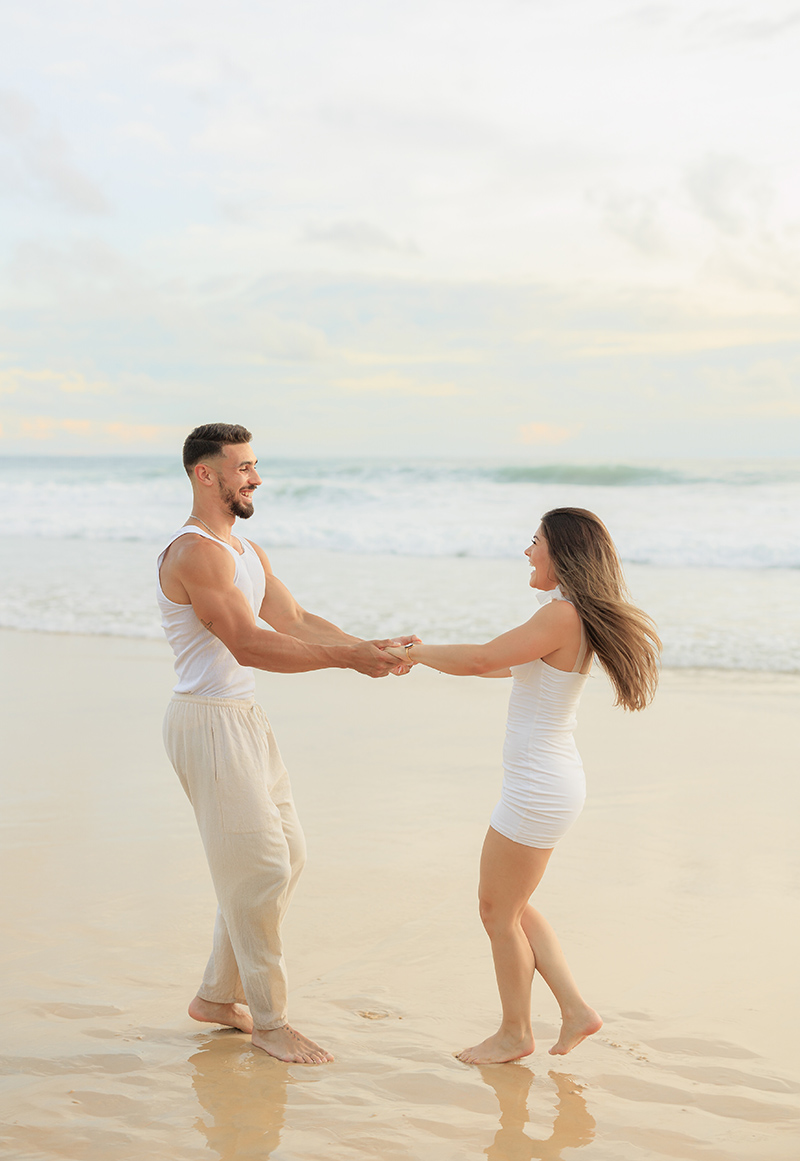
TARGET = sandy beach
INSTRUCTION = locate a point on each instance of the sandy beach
(676, 895)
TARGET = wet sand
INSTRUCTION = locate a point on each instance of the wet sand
(676, 895)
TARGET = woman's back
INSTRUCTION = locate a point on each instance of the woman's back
(542, 715)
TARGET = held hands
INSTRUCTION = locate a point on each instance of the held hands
(395, 647)
(374, 659)
(399, 652)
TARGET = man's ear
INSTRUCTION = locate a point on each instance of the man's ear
(205, 475)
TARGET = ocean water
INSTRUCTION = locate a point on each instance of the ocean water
(711, 550)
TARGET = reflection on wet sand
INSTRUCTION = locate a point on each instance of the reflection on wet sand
(243, 1094)
(573, 1126)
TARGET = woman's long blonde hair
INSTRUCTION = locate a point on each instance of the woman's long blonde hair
(589, 572)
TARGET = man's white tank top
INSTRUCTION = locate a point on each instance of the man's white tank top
(204, 665)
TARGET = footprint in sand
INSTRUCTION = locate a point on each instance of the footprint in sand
(733, 1106)
(78, 1011)
(686, 1046)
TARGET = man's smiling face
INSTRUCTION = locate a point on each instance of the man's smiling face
(237, 478)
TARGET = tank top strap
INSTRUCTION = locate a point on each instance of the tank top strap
(187, 528)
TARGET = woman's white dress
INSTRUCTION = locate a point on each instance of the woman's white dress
(544, 787)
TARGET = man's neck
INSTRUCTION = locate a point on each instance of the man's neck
(216, 523)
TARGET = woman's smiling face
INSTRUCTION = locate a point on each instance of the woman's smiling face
(542, 575)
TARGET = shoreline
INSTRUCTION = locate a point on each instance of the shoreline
(718, 619)
(674, 895)
(711, 671)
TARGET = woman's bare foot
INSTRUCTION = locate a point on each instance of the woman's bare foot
(292, 1047)
(231, 1015)
(498, 1049)
(576, 1028)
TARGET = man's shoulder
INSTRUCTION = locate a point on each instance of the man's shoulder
(260, 553)
(192, 550)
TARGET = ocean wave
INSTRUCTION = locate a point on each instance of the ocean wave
(735, 516)
(601, 475)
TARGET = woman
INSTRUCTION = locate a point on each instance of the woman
(585, 613)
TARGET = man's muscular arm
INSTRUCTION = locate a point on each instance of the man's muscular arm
(280, 609)
(206, 572)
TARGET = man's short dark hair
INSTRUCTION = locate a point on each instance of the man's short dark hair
(206, 442)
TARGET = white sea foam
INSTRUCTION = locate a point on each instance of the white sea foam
(728, 516)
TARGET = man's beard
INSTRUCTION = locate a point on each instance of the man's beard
(234, 504)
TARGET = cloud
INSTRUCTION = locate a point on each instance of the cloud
(611, 343)
(39, 162)
(71, 70)
(89, 289)
(426, 357)
(392, 383)
(727, 28)
(357, 237)
(65, 273)
(728, 191)
(14, 379)
(17, 115)
(708, 28)
(768, 387)
(37, 426)
(765, 266)
(771, 408)
(46, 427)
(647, 16)
(138, 432)
(147, 134)
(545, 433)
(635, 218)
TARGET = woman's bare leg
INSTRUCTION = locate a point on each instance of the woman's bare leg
(578, 1020)
(509, 874)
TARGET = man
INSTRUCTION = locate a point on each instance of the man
(212, 589)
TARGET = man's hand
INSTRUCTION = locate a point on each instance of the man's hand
(368, 657)
(397, 642)
(399, 652)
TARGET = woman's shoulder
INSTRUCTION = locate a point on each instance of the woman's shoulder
(559, 608)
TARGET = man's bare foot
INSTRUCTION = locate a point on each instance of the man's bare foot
(576, 1028)
(294, 1048)
(498, 1049)
(231, 1015)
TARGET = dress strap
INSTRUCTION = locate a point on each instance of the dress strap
(544, 598)
(583, 651)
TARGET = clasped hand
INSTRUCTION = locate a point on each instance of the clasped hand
(396, 647)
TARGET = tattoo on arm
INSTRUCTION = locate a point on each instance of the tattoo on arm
(207, 624)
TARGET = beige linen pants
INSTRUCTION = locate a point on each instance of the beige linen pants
(227, 759)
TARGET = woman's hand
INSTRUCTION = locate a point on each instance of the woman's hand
(399, 651)
(395, 647)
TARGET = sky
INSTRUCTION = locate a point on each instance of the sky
(514, 229)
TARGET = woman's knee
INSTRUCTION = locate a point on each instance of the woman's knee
(496, 914)
(486, 911)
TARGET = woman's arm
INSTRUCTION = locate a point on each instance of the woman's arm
(551, 627)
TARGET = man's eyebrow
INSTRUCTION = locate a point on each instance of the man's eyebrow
(247, 463)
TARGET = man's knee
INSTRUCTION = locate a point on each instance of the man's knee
(297, 854)
(260, 875)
